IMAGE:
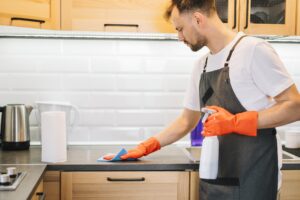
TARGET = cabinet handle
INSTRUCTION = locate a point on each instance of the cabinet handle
(41, 195)
(26, 19)
(235, 13)
(126, 179)
(123, 25)
(247, 14)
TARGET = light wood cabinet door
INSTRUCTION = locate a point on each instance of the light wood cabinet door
(194, 185)
(125, 185)
(115, 15)
(298, 18)
(43, 14)
(268, 17)
(290, 189)
(228, 11)
(38, 193)
(52, 185)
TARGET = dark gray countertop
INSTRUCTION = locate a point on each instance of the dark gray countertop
(84, 158)
(28, 185)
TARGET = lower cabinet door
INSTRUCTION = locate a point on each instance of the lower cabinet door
(125, 185)
(39, 192)
(290, 189)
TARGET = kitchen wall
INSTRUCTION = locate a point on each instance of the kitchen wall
(126, 90)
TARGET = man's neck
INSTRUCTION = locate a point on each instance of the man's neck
(219, 38)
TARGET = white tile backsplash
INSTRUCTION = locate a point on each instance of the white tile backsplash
(17, 64)
(126, 90)
(38, 82)
(117, 100)
(140, 82)
(34, 47)
(60, 64)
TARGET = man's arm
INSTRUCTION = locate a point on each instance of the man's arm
(285, 111)
(179, 128)
(176, 130)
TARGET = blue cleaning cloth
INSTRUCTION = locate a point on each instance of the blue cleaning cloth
(116, 158)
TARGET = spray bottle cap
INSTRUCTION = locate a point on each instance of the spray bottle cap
(207, 112)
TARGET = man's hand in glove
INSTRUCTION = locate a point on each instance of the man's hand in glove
(223, 122)
(143, 149)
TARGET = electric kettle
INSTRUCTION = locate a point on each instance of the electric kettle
(15, 130)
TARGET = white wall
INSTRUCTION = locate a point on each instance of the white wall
(126, 90)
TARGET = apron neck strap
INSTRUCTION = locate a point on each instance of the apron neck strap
(232, 50)
(229, 55)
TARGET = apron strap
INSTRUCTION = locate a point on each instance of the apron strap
(229, 55)
(231, 51)
(205, 65)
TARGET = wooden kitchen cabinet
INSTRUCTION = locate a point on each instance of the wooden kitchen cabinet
(269, 17)
(228, 11)
(298, 18)
(290, 189)
(115, 15)
(38, 193)
(162, 185)
(44, 14)
(194, 185)
(52, 185)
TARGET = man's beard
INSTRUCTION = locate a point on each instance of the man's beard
(196, 47)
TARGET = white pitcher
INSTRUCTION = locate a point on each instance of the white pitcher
(71, 111)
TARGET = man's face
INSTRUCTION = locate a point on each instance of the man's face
(188, 29)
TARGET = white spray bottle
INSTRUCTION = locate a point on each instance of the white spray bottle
(209, 160)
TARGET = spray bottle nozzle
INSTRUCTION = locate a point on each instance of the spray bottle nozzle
(207, 112)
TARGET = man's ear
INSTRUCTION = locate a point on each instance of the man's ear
(199, 17)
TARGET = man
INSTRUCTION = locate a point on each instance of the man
(242, 79)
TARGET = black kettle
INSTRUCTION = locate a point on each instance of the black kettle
(15, 130)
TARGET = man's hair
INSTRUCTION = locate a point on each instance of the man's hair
(206, 6)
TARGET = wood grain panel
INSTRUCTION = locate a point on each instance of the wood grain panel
(153, 185)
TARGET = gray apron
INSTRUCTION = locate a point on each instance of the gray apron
(248, 166)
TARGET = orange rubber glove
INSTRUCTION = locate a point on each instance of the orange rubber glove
(143, 149)
(223, 122)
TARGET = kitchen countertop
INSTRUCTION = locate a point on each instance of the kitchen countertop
(29, 183)
(84, 158)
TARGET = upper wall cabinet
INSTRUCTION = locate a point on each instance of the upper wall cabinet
(270, 17)
(30, 13)
(228, 11)
(298, 18)
(115, 15)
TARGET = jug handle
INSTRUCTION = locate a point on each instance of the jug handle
(76, 116)
(36, 112)
(2, 109)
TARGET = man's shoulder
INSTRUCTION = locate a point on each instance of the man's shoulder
(254, 41)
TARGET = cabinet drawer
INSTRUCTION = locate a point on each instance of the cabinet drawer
(38, 9)
(38, 193)
(115, 15)
(290, 185)
(52, 185)
(30, 13)
(125, 185)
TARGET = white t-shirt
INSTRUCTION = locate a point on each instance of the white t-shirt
(256, 75)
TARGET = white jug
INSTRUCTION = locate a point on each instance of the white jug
(71, 111)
